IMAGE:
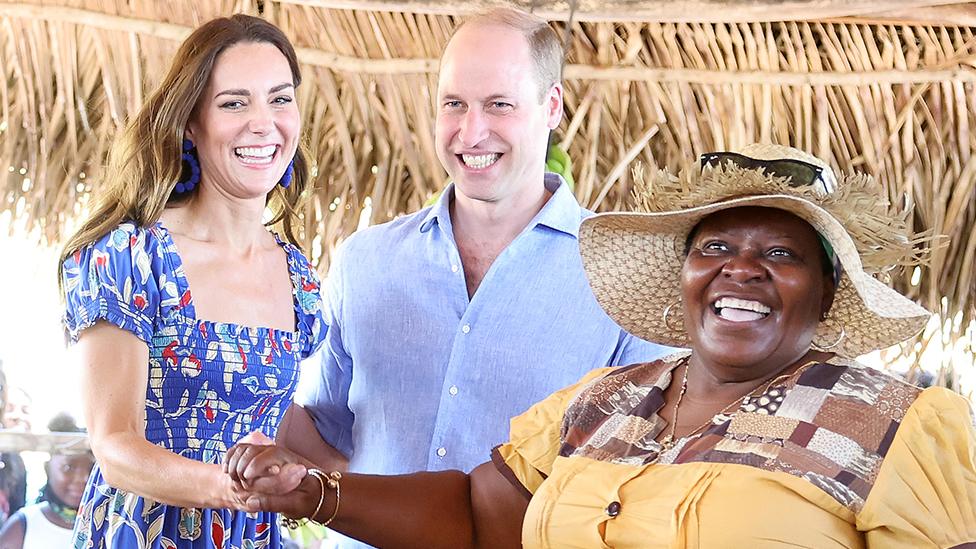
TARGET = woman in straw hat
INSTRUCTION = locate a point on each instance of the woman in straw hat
(172, 378)
(764, 434)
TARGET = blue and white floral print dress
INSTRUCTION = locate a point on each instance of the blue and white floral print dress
(210, 383)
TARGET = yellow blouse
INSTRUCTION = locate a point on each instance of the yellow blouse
(920, 493)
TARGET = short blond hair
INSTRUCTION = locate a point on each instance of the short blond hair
(544, 45)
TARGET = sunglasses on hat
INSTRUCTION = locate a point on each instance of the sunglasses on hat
(800, 173)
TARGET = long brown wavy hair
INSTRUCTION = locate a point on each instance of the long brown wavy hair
(145, 162)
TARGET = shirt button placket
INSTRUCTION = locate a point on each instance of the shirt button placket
(453, 389)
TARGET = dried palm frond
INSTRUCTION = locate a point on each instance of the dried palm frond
(883, 88)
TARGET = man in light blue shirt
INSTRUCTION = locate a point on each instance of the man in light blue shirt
(447, 322)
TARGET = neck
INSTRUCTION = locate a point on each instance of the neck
(709, 382)
(220, 219)
(62, 510)
(497, 221)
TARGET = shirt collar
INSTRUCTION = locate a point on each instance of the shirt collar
(440, 211)
(562, 212)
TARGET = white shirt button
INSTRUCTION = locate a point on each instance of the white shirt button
(441, 452)
(453, 390)
(466, 328)
(455, 268)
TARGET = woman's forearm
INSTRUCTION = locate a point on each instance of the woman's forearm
(428, 510)
(129, 462)
(114, 376)
(440, 509)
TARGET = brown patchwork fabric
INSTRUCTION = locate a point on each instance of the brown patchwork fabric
(832, 425)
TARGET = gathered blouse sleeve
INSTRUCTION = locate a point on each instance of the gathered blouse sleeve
(925, 493)
(112, 279)
(534, 440)
(308, 299)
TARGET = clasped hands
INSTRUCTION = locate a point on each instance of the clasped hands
(267, 477)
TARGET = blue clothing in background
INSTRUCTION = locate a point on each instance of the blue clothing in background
(414, 376)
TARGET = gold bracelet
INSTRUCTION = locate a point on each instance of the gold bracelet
(319, 477)
(294, 524)
(332, 480)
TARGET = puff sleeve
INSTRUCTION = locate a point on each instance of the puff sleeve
(308, 298)
(925, 493)
(534, 437)
(113, 279)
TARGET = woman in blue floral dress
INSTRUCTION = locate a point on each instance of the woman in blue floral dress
(190, 318)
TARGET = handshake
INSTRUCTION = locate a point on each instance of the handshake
(267, 477)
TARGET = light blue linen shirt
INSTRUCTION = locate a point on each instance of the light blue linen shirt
(415, 376)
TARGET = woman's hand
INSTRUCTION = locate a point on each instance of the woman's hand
(264, 467)
(299, 503)
(271, 478)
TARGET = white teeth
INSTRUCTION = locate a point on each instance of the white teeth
(742, 304)
(479, 161)
(256, 155)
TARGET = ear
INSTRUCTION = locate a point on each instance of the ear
(554, 105)
(827, 299)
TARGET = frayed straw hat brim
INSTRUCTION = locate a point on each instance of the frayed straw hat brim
(633, 262)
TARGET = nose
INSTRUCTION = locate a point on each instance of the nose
(744, 267)
(473, 128)
(261, 120)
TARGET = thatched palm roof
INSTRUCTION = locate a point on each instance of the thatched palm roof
(885, 87)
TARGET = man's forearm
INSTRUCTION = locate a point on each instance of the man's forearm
(297, 433)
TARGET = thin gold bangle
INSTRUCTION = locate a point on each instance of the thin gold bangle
(318, 476)
(293, 524)
(332, 480)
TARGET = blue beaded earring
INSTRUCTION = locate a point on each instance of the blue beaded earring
(191, 165)
(288, 175)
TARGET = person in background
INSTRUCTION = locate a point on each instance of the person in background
(13, 474)
(17, 410)
(47, 523)
(189, 316)
(13, 484)
(447, 322)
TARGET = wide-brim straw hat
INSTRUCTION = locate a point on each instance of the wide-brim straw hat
(633, 260)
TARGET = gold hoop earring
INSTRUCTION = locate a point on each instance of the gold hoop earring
(667, 314)
(826, 348)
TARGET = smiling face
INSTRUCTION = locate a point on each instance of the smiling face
(754, 288)
(246, 123)
(67, 475)
(492, 127)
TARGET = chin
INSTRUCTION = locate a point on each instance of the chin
(73, 500)
(474, 191)
(738, 354)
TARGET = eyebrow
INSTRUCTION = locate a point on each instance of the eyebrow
(498, 96)
(247, 93)
(489, 99)
(726, 232)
